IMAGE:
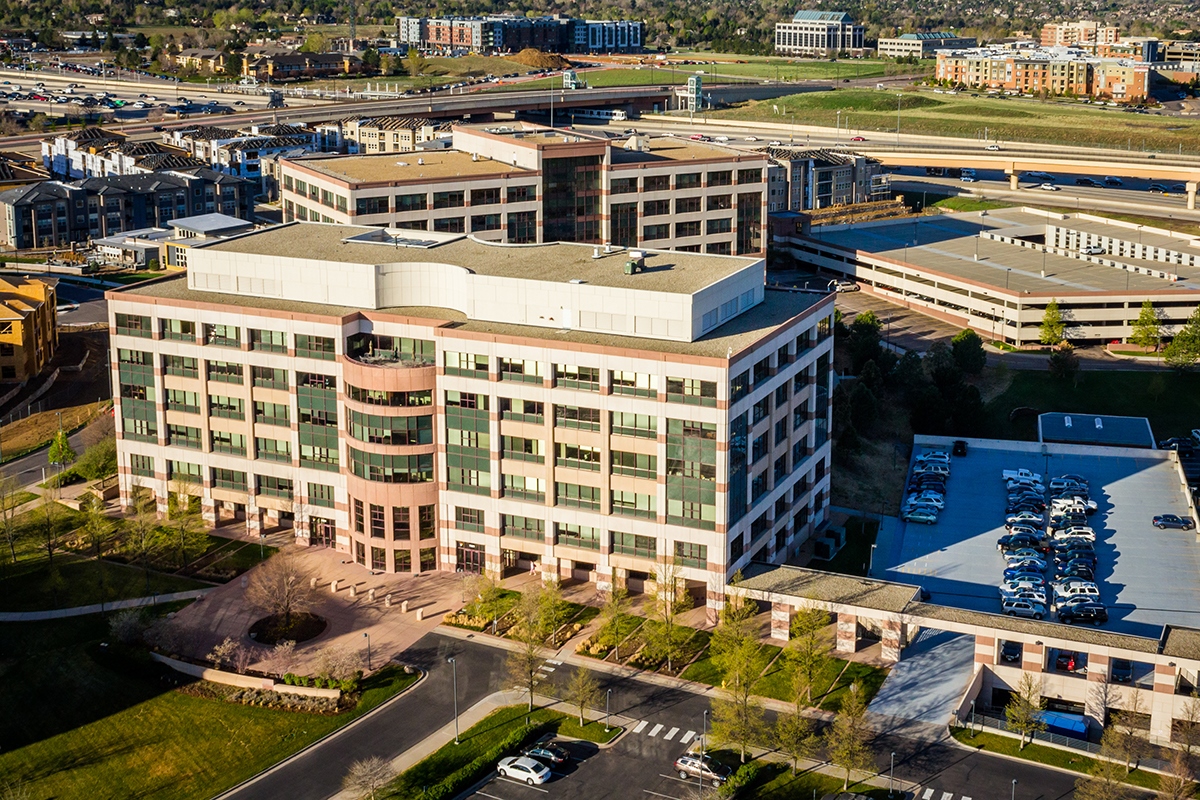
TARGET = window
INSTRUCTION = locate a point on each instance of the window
(381, 397)
(716, 226)
(737, 548)
(391, 430)
(370, 205)
(229, 479)
(226, 442)
(403, 560)
(633, 504)
(571, 377)
(224, 372)
(687, 180)
(759, 449)
(378, 559)
(515, 369)
(360, 517)
(428, 559)
(269, 341)
(643, 426)
(577, 536)
(692, 392)
(410, 202)
(134, 325)
(222, 335)
(652, 233)
(781, 429)
(577, 456)
(226, 407)
(523, 410)
(782, 393)
(718, 248)
(687, 205)
(720, 202)
(269, 378)
(360, 553)
(391, 469)
(466, 365)
(739, 387)
(448, 199)
(623, 186)
(762, 370)
(450, 225)
(521, 449)
(141, 465)
(758, 486)
(184, 436)
(522, 527)
(273, 450)
(178, 330)
(656, 183)
(426, 522)
(749, 176)
(691, 555)
(485, 222)
(274, 487)
(181, 366)
(635, 465)
(761, 410)
(322, 347)
(521, 194)
(401, 524)
(520, 487)
(271, 413)
(522, 227)
(485, 197)
(656, 208)
(179, 400)
(576, 496)
(720, 178)
(635, 384)
(378, 522)
(320, 494)
(584, 419)
(685, 229)
(629, 544)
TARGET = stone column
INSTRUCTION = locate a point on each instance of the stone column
(985, 650)
(254, 522)
(208, 510)
(1096, 702)
(1191, 194)
(1162, 701)
(162, 505)
(1013, 181)
(781, 621)
(272, 517)
(1033, 658)
(847, 633)
(891, 640)
(714, 604)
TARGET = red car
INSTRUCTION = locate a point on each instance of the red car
(858, 139)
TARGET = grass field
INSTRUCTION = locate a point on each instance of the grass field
(1063, 759)
(866, 111)
(1170, 400)
(778, 783)
(77, 724)
(36, 430)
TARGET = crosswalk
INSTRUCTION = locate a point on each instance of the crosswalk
(669, 736)
(937, 794)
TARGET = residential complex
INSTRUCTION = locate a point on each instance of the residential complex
(997, 271)
(545, 185)
(97, 153)
(512, 33)
(436, 402)
(28, 326)
(1054, 71)
(388, 134)
(819, 33)
(56, 213)
(805, 180)
(241, 152)
(1079, 32)
(922, 45)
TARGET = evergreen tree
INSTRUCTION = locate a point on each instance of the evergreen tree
(1147, 328)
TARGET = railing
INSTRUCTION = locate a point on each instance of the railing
(982, 721)
(390, 358)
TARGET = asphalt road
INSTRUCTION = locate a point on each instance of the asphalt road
(638, 766)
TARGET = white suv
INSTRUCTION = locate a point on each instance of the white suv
(1015, 607)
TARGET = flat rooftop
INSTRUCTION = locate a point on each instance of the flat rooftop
(403, 167)
(744, 330)
(1095, 429)
(670, 148)
(1148, 578)
(949, 244)
(560, 262)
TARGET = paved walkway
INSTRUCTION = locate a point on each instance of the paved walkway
(98, 608)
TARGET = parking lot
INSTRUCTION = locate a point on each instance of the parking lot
(1147, 577)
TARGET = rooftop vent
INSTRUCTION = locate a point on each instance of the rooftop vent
(1067, 422)
(420, 162)
(577, 281)
(1099, 424)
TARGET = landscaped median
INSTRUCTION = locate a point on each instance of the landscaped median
(455, 767)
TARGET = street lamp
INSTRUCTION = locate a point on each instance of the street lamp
(454, 666)
(1014, 791)
(367, 636)
(703, 731)
(607, 703)
(891, 772)
(837, 137)
(899, 98)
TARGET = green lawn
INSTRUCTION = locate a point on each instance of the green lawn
(967, 203)
(854, 557)
(1170, 400)
(778, 783)
(865, 111)
(1065, 759)
(135, 277)
(80, 724)
(477, 740)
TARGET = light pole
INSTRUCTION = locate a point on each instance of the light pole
(899, 98)
(607, 704)
(837, 137)
(367, 636)
(703, 732)
(1014, 791)
(891, 772)
(454, 666)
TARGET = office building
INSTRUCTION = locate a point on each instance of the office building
(811, 179)
(819, 33)
(28, 326)
(546, 185)
(922, 45)
(510, 33)
(433, 402)
(1080, 32)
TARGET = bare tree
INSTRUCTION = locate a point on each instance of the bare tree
(1023, 711)
(612, 613)
(47, 522)
(1187, 727)
(583, 691)
(339, 662)
(222, 654)
(15, 790)
(846, 739)
(1105, 781)
(670, 600)
(281, 587)
(97, 527)
(283, 657)
(189, 537)
(9, 489)
(807, 649)
(1180, 781)
(367, 776)
(127, 626)
(143, 541)
(1125, 735)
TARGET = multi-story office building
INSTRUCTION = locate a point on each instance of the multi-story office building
(922, 45)
(1079, 32)
(806, 180)
(512, 33)
(435, 402)
(819, 33)
(546, 185)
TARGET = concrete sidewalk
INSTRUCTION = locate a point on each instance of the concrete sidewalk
(97, 608)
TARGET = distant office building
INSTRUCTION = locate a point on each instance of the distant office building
(819, 33)
(922, 45)
(296, 66)
(1079, 32)
(1179, 52)
(512, 33)
(1053, 70)
(806, 180)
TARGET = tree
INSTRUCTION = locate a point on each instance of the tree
(190, 540)
(61, 453)
(1180, 781)
(1187, 727)
(415, 63)
(795, 737)
(47, 522)
(97, 527)
(846, 739)
(739, 719)
(9, 494)
(489, 598)
(1184, 349)
(1024, 710)
(1147, 328)
(666, 636)
(1063, 363)
(370, 58)
(942, 368)
(367, 776)
(528, 631)
(313, 43)
(552, 611)
(282, 657)
(807, 650)
(1124, 736)
(1053, 329)
(233, 64)
(583, 691)
(863, 342)
(281, 587)
(967, 347)
(614, 610)
(1105, 781)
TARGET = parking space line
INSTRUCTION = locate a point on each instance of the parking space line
(965, 797)
(547, 669)
(640, 726)
(671, 734)
(520, 783)
(947, 796)
(492, 796)
(552, 661)
(654, 731)
(656, 794)
(687, 737)
(928, 794)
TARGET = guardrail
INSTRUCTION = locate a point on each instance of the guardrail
(1001, 726)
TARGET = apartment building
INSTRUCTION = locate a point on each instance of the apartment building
(819, 33)
(810, 179)
(513, 33)
(82, 154)
(390, 134)
(435, 402)
(545, 185)
(242, 152)
(922, 45)
(28, 326)
(1079, 32)
(1054, 70)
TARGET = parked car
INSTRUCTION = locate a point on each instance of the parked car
(1022, 608)
(937, 456)
(1066, 661)
(1164, 521)
(922, 515)
(959, 448)
(1083, 572)
(1014, 541)
(693, 765)
(1074, 587)
(1036, 595)
(1020, 474)
(1076, 613)
(1121, 670)
(934, 499)
(522, 768)
(931, 468)
(1028, 517)
(548, 751)
(1011, 651)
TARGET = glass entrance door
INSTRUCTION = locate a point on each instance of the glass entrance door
(470, 558)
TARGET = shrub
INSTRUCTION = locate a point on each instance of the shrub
(98, 461)
(746, 775)
(289, 678)
(127, 626)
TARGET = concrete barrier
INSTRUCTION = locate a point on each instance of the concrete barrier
(242, 681)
